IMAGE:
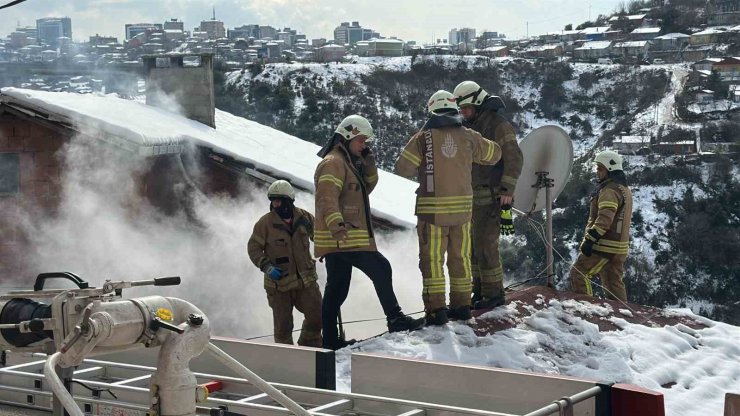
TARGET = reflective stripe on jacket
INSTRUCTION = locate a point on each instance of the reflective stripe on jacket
(442, 159)
(342, 203)
(610, 215)
(284, 246)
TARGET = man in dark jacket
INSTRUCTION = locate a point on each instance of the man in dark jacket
(493, 191)
(344, 233)
(279, 246)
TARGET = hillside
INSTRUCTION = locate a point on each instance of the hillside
(675, 196)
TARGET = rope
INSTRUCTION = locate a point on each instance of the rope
(345, 323)
(548, 245)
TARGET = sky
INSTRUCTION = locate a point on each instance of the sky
(420, 20)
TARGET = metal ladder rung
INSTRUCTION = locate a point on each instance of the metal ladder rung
(131, 380)
(87, 370)
(415, 412)
(261, 398)
(336, 406)
(29, 364)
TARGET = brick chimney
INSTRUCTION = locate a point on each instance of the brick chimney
(186, 78)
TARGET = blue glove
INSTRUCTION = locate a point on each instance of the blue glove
(275, 273)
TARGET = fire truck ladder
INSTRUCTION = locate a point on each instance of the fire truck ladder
(110, 388)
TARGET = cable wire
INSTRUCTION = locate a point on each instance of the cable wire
(12, 3)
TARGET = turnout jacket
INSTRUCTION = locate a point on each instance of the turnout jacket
(285, 246)
(441, 155)
(500, 179)
(610, 216)
(343, 203)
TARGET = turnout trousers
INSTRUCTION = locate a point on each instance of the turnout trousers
(488, 272)
(308, 301)
(338, 275)
(434, 242)
(609, 267)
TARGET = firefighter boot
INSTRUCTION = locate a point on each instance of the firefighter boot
(437, 317)
(336, 344)
(461, 313)
(492, 302)
(404, 323)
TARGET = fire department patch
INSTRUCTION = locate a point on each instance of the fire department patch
(449, 148)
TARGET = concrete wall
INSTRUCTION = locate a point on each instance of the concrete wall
(182, 89)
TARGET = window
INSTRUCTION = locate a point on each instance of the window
(9, 173)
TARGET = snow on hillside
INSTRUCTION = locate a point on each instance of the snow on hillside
(693, 368)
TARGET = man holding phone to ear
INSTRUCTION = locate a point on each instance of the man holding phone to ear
(344, 180)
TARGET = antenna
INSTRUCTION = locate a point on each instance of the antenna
(214, 12)
(548, 159)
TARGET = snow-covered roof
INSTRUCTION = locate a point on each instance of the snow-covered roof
(645, 30)
(494, 48)
(594, 30)
(630, 17)
(543, 48)
(632, 44)
(708, 32)
(633, 139)
(669, 36)
(708, 61)
(707, 91)
(157, 131)
(602, 44)
(386, 41)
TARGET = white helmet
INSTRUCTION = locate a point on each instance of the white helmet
(441, 100)
(281, 189)
(610, 159)
(469, 93)
(354, 126)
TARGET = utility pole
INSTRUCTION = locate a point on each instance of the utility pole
(527, 29)
(589, 12)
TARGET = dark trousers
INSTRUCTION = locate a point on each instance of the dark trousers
(338, 275)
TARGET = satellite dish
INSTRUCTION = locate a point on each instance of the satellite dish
(546, 149)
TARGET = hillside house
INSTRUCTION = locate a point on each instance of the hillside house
(684, 147)
(644, 33)
(631, 49)
(593, 50)
(706, 37)
(728, 69)
(631, 144)
(670, 41)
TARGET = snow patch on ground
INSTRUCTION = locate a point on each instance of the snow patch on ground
(692, 368)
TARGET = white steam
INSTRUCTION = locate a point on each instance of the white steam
(105, 230)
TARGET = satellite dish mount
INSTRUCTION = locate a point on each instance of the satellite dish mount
(543, 181)
(548, 159)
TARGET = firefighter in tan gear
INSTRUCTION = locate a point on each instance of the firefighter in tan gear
(279, 246)
(344, 180)
(493, 191)
(441, 156)
(606, 243)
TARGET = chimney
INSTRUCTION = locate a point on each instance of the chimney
(186, 78)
